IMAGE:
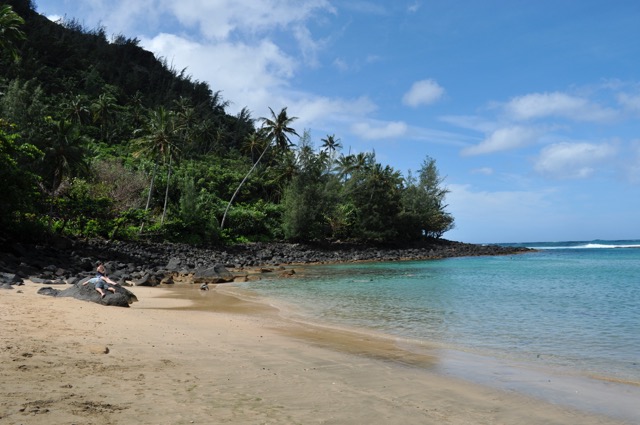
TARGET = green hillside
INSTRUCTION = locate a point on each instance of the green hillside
(99, 138)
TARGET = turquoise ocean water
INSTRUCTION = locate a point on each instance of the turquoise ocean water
(571, 306)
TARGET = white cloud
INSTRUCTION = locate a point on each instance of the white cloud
(247, 74)
(119, 16)
(219, 19)
(324, 111)
(373, 58)
(341, 64)
(572, 160)
(629, 101)
(380, 131)
(556, 104)
(55, 18)
(504, 139)
(487, 171)
(423, 92)
(414, 7)
(470, 122)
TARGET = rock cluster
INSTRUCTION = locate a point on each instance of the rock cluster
(66, 261)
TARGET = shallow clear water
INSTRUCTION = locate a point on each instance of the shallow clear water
(571, 305)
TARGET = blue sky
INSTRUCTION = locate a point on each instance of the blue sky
(530, 108)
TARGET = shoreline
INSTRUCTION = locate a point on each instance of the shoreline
(582, 391)
(68, 361)
(65, 261)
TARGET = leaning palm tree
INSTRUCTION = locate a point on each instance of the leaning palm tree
(10, 32)
(276, 131)
(159, 141)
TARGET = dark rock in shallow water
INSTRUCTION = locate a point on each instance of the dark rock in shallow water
(121, 298)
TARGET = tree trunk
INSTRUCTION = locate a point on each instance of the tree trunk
(166, 193)
(153, 178)
(224, 216)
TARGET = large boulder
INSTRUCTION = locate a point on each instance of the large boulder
(121, 298)
(10, 278)
(215, 274)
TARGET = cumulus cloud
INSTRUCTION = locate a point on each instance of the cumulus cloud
(118, 16)
(572, 160)
(325, 111)
(424, 92)
(556, 104)
(380, 131)
(247, 73)
(504, 139)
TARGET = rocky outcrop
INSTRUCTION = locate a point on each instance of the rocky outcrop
(121, 298)
(68, 262)
(7, 280)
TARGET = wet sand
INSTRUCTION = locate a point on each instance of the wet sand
(184, 356)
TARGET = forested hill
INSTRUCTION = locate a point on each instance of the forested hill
(99, 138)
(65, 58)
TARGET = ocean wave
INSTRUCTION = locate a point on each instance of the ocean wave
(586, 245)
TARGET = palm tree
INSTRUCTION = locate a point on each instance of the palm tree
(77, 109)
(276, 131)
(103, 109)
(158, 142)
(253, 144)
(65, 153)
(186, 121)
(331, 144)
(344, 166)
(10, 32)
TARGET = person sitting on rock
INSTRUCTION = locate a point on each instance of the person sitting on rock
(101, 282)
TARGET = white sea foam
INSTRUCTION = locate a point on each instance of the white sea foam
(587, 246)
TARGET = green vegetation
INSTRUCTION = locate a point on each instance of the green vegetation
(99, 138)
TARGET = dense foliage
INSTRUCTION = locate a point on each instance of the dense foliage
(100, 138)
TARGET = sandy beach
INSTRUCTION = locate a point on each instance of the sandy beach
(175, 359)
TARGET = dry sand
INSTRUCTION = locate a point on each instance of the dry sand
(64, 361)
